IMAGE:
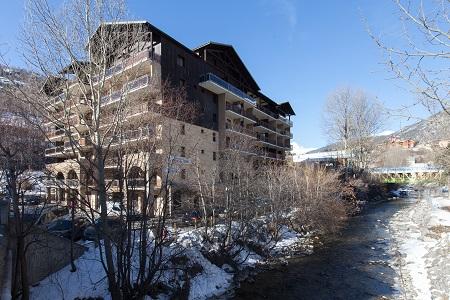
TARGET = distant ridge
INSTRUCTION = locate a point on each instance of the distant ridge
(427, 131)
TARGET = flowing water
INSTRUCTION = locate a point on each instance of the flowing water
(353, 265)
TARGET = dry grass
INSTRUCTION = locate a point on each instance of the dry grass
(447, 208)
(440, 229)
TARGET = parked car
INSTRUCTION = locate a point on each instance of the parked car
(32, 200)
(93, 231)
(42, 215)
(192, 218)
(63, 227)
(445, 189)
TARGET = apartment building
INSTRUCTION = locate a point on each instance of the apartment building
(214, 78)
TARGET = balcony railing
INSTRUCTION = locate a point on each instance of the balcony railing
(129, 87)
(286, 133)
(56, 100)
(266, 125)
(55, 133)
(286, 120)
(240, 129)
(265, 139)
(267, 111)
(228, 86)
(132, 135)
(240, 111)
(54, 150)
(125, 64)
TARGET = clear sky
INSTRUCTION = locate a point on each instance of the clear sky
(298, 51)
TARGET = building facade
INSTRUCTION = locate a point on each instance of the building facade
(214, 79)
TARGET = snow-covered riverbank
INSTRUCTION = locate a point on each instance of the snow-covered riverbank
(421, 248)
(207, 278)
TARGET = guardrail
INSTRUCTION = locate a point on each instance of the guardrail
(421, 169)
(228, 86)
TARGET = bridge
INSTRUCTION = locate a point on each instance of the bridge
(408, 173)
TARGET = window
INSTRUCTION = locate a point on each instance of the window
(183, 174)
(214, 136)
(180, 61)
(182, 82)
(215, 118)
(202, 151)
(214, 156)
(183, 129)
(202, 131)
(183, 151)
(227, 142)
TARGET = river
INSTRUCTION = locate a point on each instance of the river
(353, 265)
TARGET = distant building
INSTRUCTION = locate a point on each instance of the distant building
(396, 141)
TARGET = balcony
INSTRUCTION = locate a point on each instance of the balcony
(267, 140)
(219, 86)
(286, 121)
(266, 125)
(53, 151)
(55, 101)
(240, 111)
(128, 63)
(267, 111)
(241, 130)
(127, 88)
(285, 133)
(132, 135)
(57, 133)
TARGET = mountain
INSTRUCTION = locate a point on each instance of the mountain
(11, 75)
(427, 131)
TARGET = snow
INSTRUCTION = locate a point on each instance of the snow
(88, 281)
(422, 245)
(213, 280)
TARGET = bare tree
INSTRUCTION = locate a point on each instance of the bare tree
(351, 119)
(419, 54)
(21, 147)
(117, 128)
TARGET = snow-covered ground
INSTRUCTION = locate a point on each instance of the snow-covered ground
(212, 280)
(421, 248)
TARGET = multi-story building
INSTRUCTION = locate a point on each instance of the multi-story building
(213, 77)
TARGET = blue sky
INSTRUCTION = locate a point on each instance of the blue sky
(298, 51)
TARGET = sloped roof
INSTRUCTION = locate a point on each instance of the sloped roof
(232, 51)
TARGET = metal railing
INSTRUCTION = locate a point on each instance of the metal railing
(240, 129)
(266, 125)
(56, 133)
(54, 150)
(134, 134)
(412, 169)
(127, 88)
(240, 110)
(228, 86)
(267, 111)
(286, 120)
(125, 64)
